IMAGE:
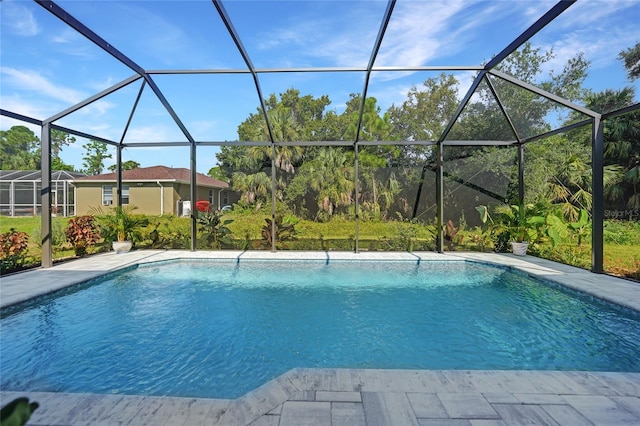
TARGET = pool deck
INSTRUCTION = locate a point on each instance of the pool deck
(355, 396)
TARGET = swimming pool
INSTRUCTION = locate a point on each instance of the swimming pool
(220, 329)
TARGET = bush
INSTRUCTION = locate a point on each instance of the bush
(13, 250)
(214, 228)
(82, 232)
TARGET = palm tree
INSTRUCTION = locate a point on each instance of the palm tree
(621, 146)
(254, 187)
(284, 129)
(332, 179)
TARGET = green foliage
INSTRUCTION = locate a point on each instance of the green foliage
(17, 412)
(168, 232)
(93, 159)
(282, 229)
(58, 228)
(521, 222)
(253, 188)
(631, 59)
(214, 228)
(13, 250)
(403, 237)
(622, 232)
(58, 164)
(120, 224)
(217, 173)
(82, 232)
(127, 165)
(19, 149)
(58, 140)
(581, 227)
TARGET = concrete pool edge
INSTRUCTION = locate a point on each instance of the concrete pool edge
(22, 287)
(371, 397)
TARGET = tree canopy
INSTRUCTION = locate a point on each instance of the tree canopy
(93, 160)
(319, 181)
(19, 149)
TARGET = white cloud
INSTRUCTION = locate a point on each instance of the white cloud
(201, 129)
(19, 19)
(18, 105)
(97, 108)
(70, 42)
(600, 46)
(66, 36)
(99, 86)
(536, 9)
(427, 22)
(35, 82)
(465, 80)
(6, 123)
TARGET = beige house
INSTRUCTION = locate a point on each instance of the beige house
(156, 190)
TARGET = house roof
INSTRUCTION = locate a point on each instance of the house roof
(35, 175)
(157, 173)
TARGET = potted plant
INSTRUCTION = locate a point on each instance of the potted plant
(121, 228)
(520, 222)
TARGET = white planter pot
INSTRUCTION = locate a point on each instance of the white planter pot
(121, 246)
(519, 249)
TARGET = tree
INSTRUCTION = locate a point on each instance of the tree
(423, 116)
(58, 164)
(328, 179)
(216, 172)
(96, 153)
(127, 165)
(58, 140)
(631, 58)
(621, 147)
(529, 113)
(283, 129)
(254, 188)
(19, 149)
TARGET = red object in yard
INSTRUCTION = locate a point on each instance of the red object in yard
(202, 206)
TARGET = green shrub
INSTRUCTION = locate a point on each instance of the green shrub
(215, 229)
(284, 230)
(622, 232)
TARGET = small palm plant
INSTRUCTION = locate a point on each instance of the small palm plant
(119, 224)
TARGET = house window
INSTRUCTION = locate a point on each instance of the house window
(125, 195)
(225, 199)
(211, 197)
(107, 195)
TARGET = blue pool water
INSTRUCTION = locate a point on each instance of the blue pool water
(220, 329)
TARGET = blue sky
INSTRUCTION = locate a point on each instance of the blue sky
(47, 67)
